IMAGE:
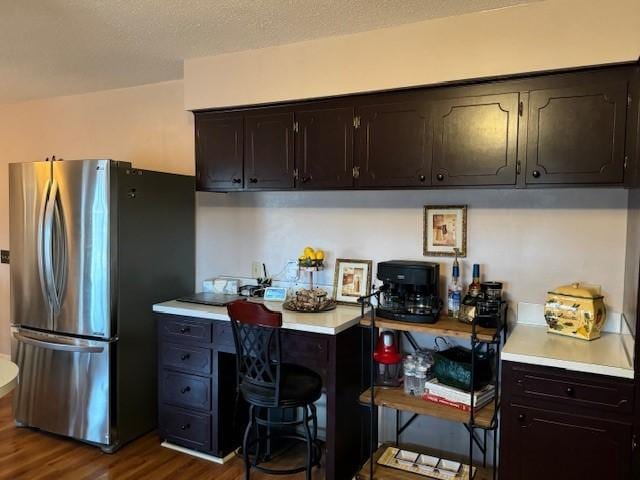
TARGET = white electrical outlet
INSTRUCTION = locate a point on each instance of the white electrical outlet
(256, 269)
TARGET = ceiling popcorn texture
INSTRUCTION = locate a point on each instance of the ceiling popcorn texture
(61, 47)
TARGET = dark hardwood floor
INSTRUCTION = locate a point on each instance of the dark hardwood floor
(28, 454)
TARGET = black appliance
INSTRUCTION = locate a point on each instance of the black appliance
(409, 291)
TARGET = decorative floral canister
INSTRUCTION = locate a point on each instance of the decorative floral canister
(575, 311)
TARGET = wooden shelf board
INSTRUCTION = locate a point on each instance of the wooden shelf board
(394, 397)
(381, 472)
(445, 326)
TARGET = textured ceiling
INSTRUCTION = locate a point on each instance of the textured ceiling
(61, 47)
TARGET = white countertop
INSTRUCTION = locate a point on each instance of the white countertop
(611, 354)
(8, 376)
(329, 323)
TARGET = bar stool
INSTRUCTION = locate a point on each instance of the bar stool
(266, 384)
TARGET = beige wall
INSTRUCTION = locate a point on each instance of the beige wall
(539, 36)
(144, 125)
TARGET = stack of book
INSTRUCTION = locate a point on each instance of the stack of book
(454, 397)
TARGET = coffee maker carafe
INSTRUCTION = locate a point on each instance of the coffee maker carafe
(410, 291)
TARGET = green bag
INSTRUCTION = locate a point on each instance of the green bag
(453, 367)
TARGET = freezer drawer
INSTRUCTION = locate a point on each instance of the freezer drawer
(64, 385)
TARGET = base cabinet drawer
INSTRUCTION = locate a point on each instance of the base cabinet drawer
(543, 444)
(186, 357)
(185, 390)
(188, 429)
(182, 329)
(570, 389)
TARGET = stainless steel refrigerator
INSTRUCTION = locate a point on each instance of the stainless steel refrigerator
(94, 244)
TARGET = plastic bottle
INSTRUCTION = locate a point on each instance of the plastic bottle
(420, 380)
(409, 367)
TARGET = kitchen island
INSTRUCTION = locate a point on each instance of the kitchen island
(197, 378)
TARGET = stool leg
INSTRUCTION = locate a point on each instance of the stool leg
(245, 445)
(307, 434)
(314, 419)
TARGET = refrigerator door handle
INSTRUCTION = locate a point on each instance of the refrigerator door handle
(60, 251)
(41, 242)
(62, 347)
(48, 247)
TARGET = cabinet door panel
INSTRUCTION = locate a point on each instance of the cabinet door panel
(324, 148)
(269, 151)
(577, 134)
(219, 144)
(394, 143)
(476, 140)
(538, 443)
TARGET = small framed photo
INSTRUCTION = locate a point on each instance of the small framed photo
(445, 230)
(352, 280)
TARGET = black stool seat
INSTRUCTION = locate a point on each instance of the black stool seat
(298, 386)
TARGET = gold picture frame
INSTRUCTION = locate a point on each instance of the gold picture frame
(445, 230)
(352, 279)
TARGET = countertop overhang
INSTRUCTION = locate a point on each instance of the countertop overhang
(331, 322)
(607, 355)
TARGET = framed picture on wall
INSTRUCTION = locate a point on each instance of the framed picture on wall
(352, 280)
(445, 230)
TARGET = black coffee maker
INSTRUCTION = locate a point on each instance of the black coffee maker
(409, 291)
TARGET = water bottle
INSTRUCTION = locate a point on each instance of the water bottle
(420, 380)
(409, 373)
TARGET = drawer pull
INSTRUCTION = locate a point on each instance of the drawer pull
(570, 391)
(185, 330)
(185, 356)
(185, 390)
(185, 427)
(521, 417)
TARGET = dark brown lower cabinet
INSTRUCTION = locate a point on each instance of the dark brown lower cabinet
(197, 388)
(562, 425)
(549, 444)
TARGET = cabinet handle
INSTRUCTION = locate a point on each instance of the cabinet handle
(185, 330)
(440, 177)
(570, 391)
(185, 390)
(185, 427)
(521, 417)
(237, 180)
(536, 174)
(253, 180)
(422, 178)
(185, 356)
(306, 179)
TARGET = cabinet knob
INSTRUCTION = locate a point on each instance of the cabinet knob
(185, 330)
(422, 178)
(440, 177)
(237, 180)
(185, 356)
(521, 417)
(570, 391)
(253, 180)
(536, 174)
(185, 426)
(185, 390)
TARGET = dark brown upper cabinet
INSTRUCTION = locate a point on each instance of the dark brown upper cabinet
(475, 140)
(219, 152)
(324, 147)
(393, 144)
(268, 163)
(576, 133)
